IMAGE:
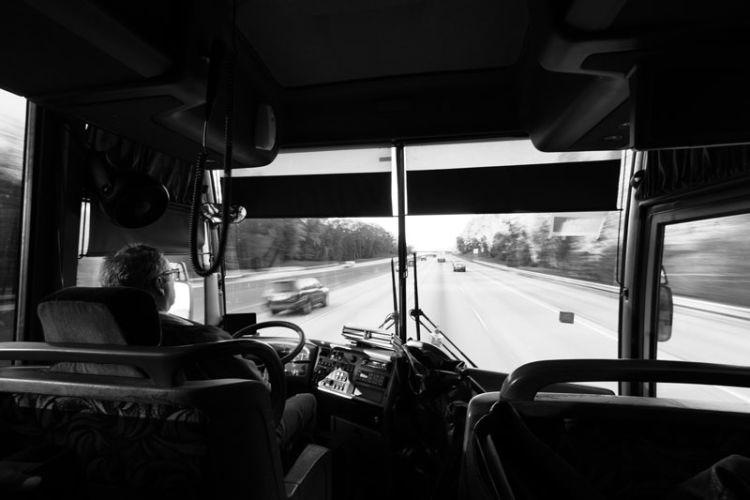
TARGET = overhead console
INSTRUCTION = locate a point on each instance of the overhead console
(145, 77)
(356, 373)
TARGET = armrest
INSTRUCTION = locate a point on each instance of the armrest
(525, 381)
(310, 476)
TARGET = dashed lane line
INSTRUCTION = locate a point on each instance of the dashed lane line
(605, 332)
(479, 318)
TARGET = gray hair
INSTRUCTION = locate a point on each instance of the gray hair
(135, 265)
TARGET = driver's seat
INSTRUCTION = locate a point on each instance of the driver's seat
(229, 421)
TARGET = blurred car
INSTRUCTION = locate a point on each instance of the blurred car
(459, 267)
(423, 258)
(441, 259)
(296, 294)
(349, 263)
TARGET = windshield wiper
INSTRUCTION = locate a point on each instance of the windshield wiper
(418, 315)
(391, 319)
(421, 320)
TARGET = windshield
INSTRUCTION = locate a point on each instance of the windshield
(283, 286)
(511, 289)
(341, 267)
(505, 288)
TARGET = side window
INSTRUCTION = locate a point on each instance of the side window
(12, 130)
(706, 265)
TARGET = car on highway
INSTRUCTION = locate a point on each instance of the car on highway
(300, 294)
(441, 259)
(459, 267)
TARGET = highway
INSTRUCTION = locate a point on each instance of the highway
(502, 319)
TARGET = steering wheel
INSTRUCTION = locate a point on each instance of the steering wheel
(253, 330)
(264, 355)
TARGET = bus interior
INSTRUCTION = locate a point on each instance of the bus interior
(503, 243)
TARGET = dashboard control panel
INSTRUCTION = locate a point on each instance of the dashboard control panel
(354, 373)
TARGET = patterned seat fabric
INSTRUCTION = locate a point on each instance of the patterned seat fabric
(121, 449)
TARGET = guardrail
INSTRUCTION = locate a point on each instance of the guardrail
(7, 302)
(247, 290)
(679, 301)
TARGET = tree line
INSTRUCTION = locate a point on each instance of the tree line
(528, 241)
(11, 171)
(263, 243)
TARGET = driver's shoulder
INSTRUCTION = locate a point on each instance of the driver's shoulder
(179, 331)
(172, 320)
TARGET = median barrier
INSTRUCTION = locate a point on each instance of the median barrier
(247, 291)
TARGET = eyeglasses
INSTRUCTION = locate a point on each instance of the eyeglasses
(177, 271)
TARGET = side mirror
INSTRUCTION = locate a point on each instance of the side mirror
(666, 309)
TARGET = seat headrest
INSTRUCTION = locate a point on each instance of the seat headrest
(83, 315)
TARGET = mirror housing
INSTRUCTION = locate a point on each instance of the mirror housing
(665, 309)
(130, 199)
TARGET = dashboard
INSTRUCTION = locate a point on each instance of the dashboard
(357, 373)
(350, 372)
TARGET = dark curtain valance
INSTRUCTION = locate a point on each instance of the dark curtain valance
(538, 188)
(673, 171)
(328, 195)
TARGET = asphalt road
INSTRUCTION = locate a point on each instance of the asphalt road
(502, 320)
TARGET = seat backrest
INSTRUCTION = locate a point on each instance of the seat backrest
(109, 316)
(505, 460)
(117, 315)
(536, 443)
(114, 417)
(94, 436)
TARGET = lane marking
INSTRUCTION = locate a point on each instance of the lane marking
(731, 392)
(601, 330)
(668, 356)
(479, 317)
(605, 332)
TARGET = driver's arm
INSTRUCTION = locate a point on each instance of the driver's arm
(226, 367)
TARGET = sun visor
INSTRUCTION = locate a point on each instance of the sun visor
(170, 233)
(327, 195)
(536, 188)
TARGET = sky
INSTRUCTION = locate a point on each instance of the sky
(427, 232)
(12, 131)
(11, 102)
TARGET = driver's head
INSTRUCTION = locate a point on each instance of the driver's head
(141, 266)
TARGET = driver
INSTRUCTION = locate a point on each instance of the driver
(145, 267)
